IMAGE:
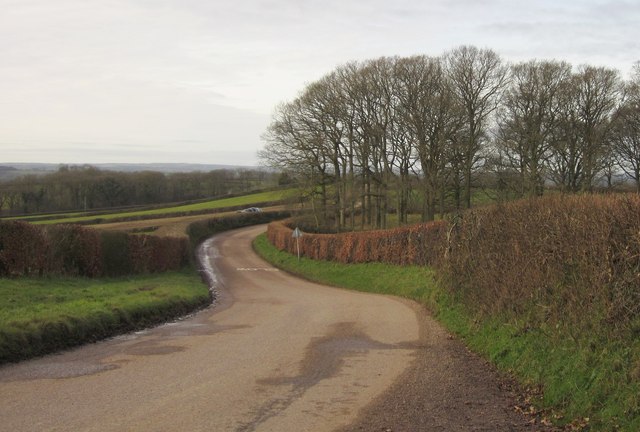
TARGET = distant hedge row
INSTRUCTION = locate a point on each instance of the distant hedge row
(420, 244)
(72, 250)
(200, 230)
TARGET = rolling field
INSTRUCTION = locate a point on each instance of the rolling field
(245, 200)
(166, 226)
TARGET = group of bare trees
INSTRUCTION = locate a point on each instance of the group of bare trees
(391, 133)
(572, 128)
(88, 188)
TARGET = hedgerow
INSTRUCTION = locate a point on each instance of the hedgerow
(570, 261)
(72, 250)
(200, 230)
(420, 244)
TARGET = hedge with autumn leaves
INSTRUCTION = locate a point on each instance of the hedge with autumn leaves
(420, 244)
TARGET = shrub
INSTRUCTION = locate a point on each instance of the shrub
(565, 261)
(151, 254)
(73, 250)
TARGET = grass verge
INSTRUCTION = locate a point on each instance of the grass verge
(583, 383)
(39, 316)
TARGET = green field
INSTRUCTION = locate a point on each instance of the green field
(245, 200)
(38, 316)
(584, 384)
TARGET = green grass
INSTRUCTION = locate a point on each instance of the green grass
(245, 200)
(589, 381)
(39, 316)
(39, 216)
(411, 282)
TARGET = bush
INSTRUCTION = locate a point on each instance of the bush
(151, 254)
(565, 261)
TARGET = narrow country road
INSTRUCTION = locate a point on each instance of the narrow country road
(275, 354)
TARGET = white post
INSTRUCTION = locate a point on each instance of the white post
(297, 234)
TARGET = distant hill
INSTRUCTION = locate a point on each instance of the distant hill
(9, 171)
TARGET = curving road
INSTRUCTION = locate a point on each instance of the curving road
(275, 354)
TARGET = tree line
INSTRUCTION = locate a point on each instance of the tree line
(89, 188)
(370, 137)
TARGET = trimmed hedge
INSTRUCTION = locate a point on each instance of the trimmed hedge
(420, 244)
(24, 249)
(200, 230)
(73, 250)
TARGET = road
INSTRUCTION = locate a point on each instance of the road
(275, 354)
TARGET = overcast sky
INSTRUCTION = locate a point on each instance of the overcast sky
(91, 81)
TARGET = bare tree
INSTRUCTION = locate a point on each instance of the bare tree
(429, 114)
(365, 134)
(478, 77)
(625, 134)
(292, 145)
(528, 118)
(580, 149)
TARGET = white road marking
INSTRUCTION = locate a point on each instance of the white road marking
(257, 269)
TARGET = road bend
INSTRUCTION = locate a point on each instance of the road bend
(276, 353)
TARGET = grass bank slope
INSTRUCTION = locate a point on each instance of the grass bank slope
(43, 315)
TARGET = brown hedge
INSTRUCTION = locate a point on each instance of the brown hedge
(24, 249)
(152, 254)
(72, 250)
(420, 244)
(562, 260)
(75, 250)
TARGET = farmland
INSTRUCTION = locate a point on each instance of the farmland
(202, 207)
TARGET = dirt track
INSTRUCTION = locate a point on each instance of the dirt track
(276, 354)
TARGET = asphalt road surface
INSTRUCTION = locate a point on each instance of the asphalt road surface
(275, 354)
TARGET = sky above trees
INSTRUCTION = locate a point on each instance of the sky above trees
(90, 81)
